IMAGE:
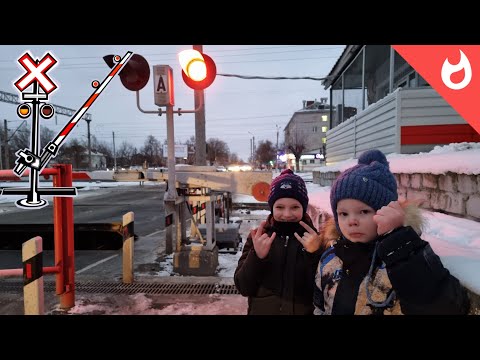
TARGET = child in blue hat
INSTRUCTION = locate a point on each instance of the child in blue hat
(378, 264)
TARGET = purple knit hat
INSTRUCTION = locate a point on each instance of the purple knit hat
(288, 185)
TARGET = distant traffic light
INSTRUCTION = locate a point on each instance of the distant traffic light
(136, 72)
(198, 69)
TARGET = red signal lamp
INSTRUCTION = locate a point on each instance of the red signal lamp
(198, 69)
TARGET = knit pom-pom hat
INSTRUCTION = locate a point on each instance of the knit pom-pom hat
(288, 185)
(370, 181)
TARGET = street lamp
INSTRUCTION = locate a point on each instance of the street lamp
(252, 147)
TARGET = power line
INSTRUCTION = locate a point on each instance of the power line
(248, 77)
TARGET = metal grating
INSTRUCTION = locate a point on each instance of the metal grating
(146, 288)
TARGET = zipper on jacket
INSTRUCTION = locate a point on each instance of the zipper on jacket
(286, 241)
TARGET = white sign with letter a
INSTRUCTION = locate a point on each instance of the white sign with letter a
(163, 85)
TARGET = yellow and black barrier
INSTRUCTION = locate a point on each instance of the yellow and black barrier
(33, 293)
(128, 246)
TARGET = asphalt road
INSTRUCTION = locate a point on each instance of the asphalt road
(103, 205)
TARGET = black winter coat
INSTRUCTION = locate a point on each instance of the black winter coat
(283, 282)
(422, 285)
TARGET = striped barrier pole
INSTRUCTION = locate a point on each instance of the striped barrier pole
(128, 245)
(33, 296)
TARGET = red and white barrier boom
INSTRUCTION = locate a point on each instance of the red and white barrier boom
(36, 75)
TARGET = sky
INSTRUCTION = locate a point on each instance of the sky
(455, 240)
(236, 110)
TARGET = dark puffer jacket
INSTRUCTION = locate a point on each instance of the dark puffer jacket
(407, 277)
(283, 282)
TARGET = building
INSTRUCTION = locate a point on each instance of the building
(307, 130)
(99, 160)
(377, 100)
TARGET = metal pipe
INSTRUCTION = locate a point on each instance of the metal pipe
(4, 273)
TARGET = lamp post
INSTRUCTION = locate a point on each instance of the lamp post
(253, 148)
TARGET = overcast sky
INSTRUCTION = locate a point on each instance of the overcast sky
(236, 109)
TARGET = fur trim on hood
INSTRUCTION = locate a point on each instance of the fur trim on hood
(413, 217)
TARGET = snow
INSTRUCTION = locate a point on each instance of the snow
(460, 158)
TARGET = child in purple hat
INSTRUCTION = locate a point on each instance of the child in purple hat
(379, 264)
(278, 263)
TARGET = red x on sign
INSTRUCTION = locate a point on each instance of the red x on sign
(36, 72)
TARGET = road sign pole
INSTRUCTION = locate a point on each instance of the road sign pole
(170, 195)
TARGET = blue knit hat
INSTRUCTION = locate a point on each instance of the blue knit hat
(371, 182)
(288, 185)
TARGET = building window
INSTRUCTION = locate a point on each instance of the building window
(377, 73)
(337, 102)
(324, 129)
(353, 90)
(314, 129)
(324, 118)
(324, 140)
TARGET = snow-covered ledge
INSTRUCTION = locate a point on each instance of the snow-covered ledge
(452, 194)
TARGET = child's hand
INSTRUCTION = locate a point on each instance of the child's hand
(261, 241)
(389, 217)
(310, 240)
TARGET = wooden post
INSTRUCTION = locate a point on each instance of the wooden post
(128, 245)
(33, 296)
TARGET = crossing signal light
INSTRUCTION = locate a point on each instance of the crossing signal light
(23, 110)
(135, 73)
(198, 69)
(47, 111)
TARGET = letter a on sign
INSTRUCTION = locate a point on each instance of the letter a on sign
(161, 88)
(163, 85)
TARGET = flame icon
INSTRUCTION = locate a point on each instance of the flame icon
(448, 69)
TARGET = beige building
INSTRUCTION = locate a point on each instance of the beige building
(307, 129)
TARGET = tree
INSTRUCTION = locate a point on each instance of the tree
(125, 153)
(234, 159)
(72, 153)
(217, 151)
(296, 144)
(266, 152)
(105, 149)
(152, 151)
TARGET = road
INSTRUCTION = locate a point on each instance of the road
(98, 273)
(102, 205)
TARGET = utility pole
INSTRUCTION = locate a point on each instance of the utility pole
(277, 135)
(253, 148)
(276, 159)
(89, 146)
(5, 140)
(200, 138)
(114, 153)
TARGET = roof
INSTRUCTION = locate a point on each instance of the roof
(343, 61)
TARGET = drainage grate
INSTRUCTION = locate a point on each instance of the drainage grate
(146, 288)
